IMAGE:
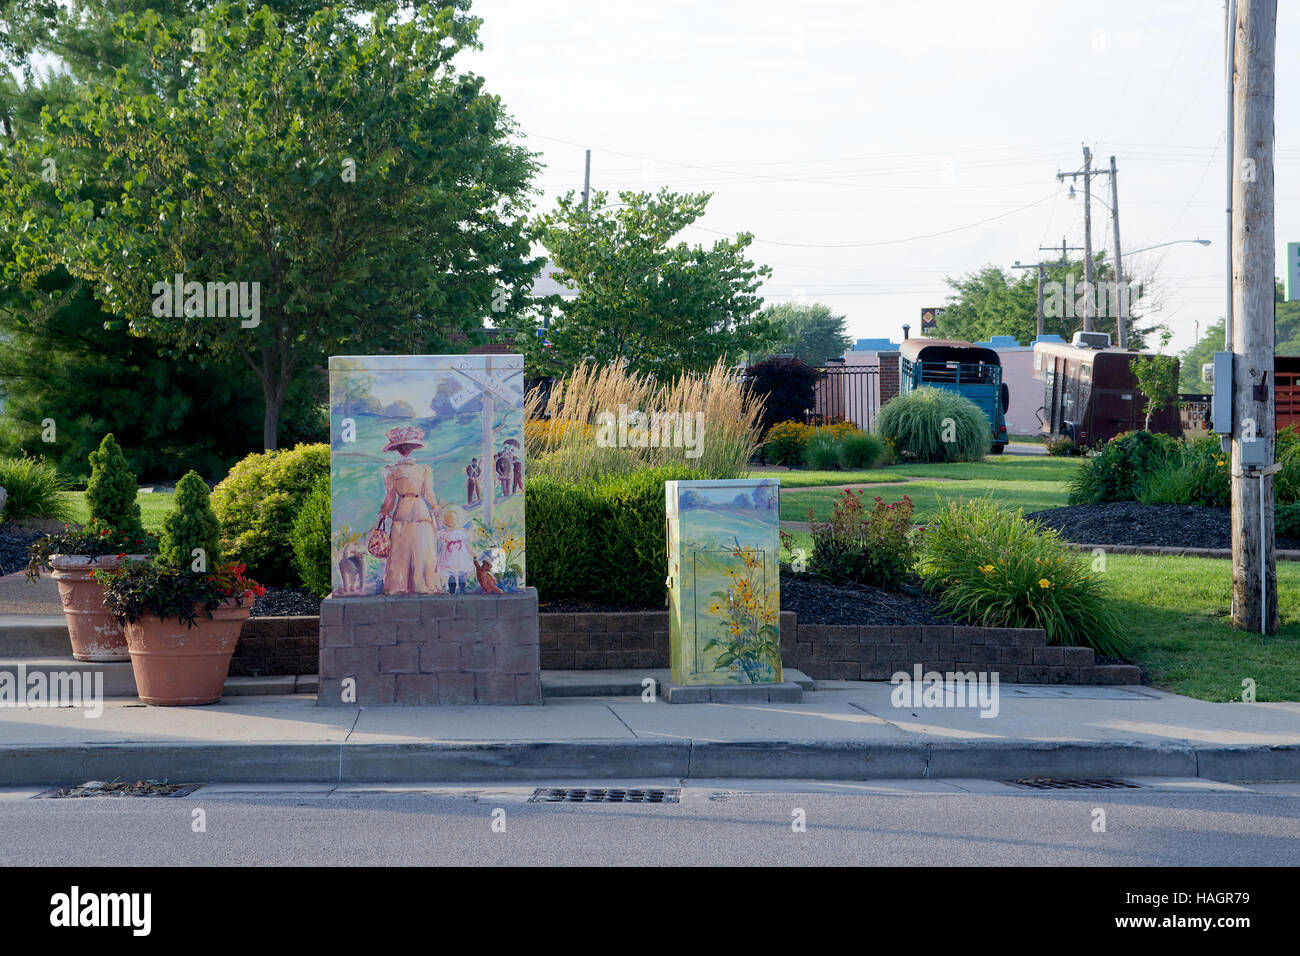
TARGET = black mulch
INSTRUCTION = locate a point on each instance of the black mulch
(1131, 523)
(816, 602)
(286, 602)
(13, 549)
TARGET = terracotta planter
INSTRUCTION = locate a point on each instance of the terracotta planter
(176, 665)
(94, 634)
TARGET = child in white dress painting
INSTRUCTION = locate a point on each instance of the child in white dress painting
(454, 559)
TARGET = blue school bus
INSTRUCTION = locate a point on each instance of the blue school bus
(962, 367)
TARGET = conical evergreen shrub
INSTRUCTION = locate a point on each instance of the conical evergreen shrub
(193, 524)
(112, 490)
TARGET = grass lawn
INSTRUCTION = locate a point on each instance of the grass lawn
(993, 468)
(929, 497)
(1178, 612)
(152, 508)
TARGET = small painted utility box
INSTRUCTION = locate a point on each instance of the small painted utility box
(429, 602)
(724, 589)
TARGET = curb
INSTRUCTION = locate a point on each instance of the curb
(523, 761)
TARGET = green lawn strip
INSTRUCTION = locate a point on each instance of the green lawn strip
(1177, 611)
(929, 497)
(152, 508)
(993, 468)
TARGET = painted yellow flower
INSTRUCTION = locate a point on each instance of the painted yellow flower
(986, 568)
(1044, 583)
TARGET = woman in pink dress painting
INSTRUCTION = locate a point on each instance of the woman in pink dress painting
(412, 565)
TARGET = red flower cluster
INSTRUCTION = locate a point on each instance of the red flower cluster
(231, 580)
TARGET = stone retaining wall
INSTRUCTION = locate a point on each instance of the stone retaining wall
(448, 649)
(633, 639)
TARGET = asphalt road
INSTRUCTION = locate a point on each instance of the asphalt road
(716, 822)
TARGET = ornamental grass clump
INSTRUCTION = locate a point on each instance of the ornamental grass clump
(866, 546)
(606, 420)
(35, 490)
(992, 567)
(935, 424)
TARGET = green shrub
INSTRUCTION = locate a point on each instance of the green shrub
(1063, 447)
(784, 443)
(603, 542)
(1194, 473)
(1286, 483)
(35, 489)
(993, 568)
(934, 424)
(190, 526)
(873, 547)
(562, 544)
(112, 490)
(822, 452)
(634, 549)
(861, 450)
(310, 537)
(1286, 520)
(257, 503)
(1124, 462)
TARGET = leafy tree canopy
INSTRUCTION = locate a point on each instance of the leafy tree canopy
(812, 333)
(369, 193)
(661, 305)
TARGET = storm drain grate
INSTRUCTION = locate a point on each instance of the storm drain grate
(603, 795)
(1052, 783)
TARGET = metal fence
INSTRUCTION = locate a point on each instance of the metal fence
(848, 393)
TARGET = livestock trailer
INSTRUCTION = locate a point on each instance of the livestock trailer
(1091, 394)
(962, 367)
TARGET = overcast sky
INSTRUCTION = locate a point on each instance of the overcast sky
(842, 134)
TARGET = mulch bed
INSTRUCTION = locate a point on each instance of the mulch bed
(815, 602)
(286, 602)
(1131, 523)
(13, 548)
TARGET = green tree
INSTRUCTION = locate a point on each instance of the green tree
(812, 333)
(993, 301)
(367, 191)
(111, 492)
(1157, 379)
(192, 527)
(1286, 341)
(662, 306)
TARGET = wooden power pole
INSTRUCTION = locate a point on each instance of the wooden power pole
(1254, 567)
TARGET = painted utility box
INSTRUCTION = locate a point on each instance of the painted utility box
(724, 583)
(427, 474)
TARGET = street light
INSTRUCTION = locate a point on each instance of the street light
(1174, 242)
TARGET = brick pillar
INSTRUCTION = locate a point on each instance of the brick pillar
(888, 376)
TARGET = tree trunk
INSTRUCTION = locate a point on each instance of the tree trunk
(274, 398)
(1253, 555)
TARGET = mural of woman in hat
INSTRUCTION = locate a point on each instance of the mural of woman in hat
(412, 564)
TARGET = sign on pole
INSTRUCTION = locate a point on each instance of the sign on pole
(1292, 271)
(929, 317)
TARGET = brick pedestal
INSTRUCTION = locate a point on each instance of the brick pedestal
(434, 649)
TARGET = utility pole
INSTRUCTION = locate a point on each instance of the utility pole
(1063, 262)
(586, 182)
(1254, 567)
(1121, 294)
(1038, 266)
(1089, 296)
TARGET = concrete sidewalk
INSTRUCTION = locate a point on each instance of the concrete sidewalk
(844, 730)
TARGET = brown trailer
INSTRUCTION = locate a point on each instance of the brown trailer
(1091, 395)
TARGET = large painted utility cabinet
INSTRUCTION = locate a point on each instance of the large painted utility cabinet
(724, 583)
